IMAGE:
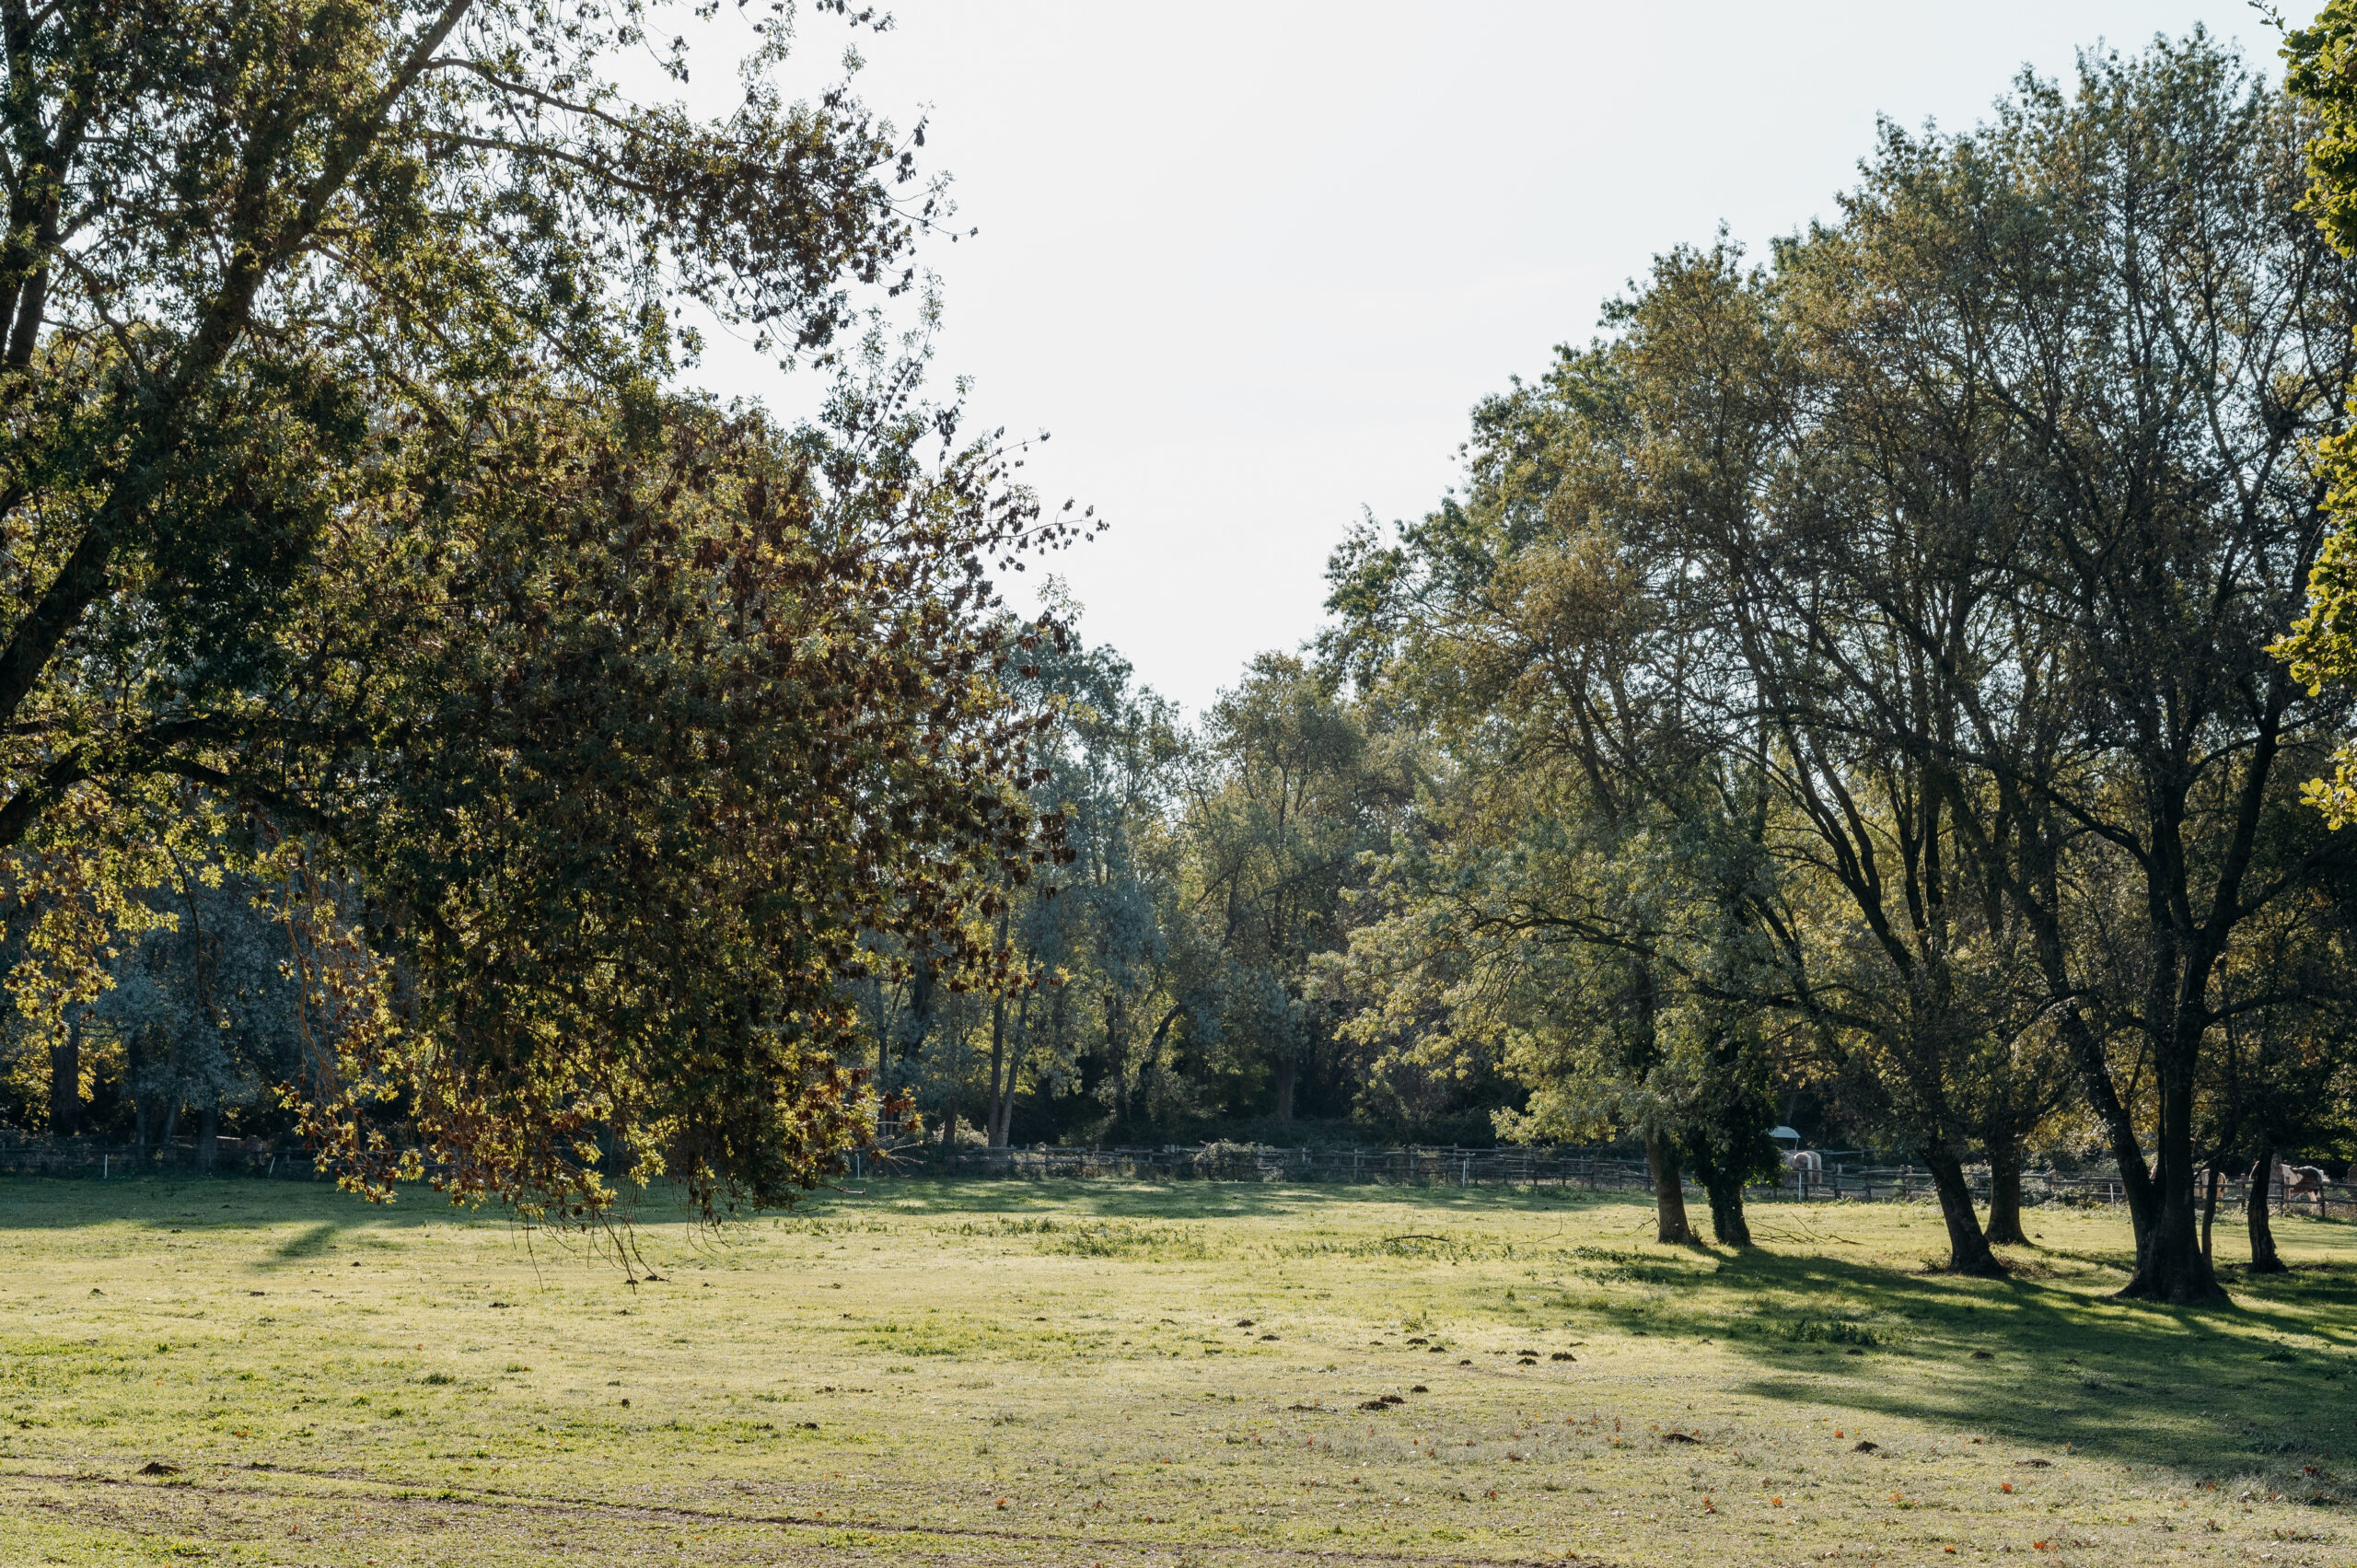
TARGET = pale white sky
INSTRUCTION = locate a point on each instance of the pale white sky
(1253, 264)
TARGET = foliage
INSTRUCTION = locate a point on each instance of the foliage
(665, 726)
(2322, 646)
(585, 732)
(1867, 571)
(1292, 788)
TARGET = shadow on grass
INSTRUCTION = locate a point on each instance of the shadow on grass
(2262, 1386)
(311, 1241)
(34, 1202)
(1111, 1197)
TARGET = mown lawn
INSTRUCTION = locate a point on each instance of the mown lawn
(1064, 1374)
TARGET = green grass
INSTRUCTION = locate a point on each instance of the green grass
(1059, 1374)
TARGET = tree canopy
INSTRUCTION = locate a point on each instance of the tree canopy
(585, 729)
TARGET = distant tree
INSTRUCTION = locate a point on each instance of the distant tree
(205, 1009)
(1292, 785)
(1575, 902)
(1091, 1003)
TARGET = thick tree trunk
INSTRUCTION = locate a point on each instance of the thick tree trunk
(65, 1082)
(1967, 1243)
(208, 1136)
(2170, 1267)
(2264, 1258)
(2006, 1194)
(1670, 1191)
(1727, 1224)
(1722, 1180)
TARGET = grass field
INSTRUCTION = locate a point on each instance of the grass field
(1114, 1374)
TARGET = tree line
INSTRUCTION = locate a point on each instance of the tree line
(1898, 682)
(1862, 673)
(1864, 669)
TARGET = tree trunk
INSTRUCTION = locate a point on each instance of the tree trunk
(995, 1133)
(1727, 1224)
(65, 1082)
(2264, 1259)
(1967, 1243)
(1003, 1135)
(2006, 1194)
(208, 1136)
(916, 1024)
(2170, 1267)
(2169, 1264)
(1721, 1175)
(1670, 1193)
(1118, 1062)
(2119, 1127)
(134, 1062)
(1288, 1074)
(2210, 1209)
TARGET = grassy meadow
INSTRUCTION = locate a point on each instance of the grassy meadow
(1100, 1373)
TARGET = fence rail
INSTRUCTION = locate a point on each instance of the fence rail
(81, 1157)
(1519, 1167)
(1413, 1166)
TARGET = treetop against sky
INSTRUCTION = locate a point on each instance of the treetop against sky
(1253, 265)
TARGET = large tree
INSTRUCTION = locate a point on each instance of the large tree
(2119, 279)
(591, 728)
(1962, 532)
(1576, 905)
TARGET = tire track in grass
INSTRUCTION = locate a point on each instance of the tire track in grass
(406, 1493)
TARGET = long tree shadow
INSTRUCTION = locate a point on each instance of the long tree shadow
(2263, 1386)
(203, 1203)
(1187, 1199)
(312, 1241)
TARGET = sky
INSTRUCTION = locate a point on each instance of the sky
(1251, 265)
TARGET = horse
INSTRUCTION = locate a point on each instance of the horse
(2303, 1181)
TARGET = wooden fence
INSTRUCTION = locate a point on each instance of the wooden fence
(1592, 1171)
(1537, 1168)
(21, 1155)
